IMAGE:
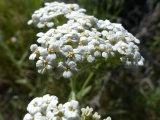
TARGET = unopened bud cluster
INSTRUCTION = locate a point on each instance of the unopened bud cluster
(48, 108)
(82, 39)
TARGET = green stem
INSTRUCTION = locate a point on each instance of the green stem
(73, 89)
(89, 77)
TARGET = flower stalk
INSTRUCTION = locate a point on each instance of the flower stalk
(73, 89)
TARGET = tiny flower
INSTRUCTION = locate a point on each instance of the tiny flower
(96, 116)
(44, 22)
(45, 40)
(28, 117)
(57, 70)
(37, 116)
(108, 51)
(47, 99)
(54, 49)
(87, 51)
(122, 48)
(108, 118)
(70, 67)
(72, 54)
(35, 105)
(45, 64)
(35, 49)
(55, 111)
(87, 111)
(71, 110)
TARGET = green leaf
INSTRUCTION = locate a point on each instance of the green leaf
(82, 93)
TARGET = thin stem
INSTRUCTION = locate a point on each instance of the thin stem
(73, 89)
(89, 77)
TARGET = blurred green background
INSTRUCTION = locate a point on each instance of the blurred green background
(124, 94)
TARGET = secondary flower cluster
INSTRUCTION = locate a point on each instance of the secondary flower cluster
(82, 39)
(47, 108)
(45, 16)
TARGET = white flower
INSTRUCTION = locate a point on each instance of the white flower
(45, 40)
(108, 118)
(96, 116)
(87, 53)
(54, 111)
(72, 54)
(37, 116)
(57, 34)
(120, 35)
(71, 110)
(43, 16)
(28, 117)
(43, 52)
(138, 59)
(57, 70)
(54, 49)
(141, 61)
(112, 38)
(44, 21)
(87, 111)
(128, 60)
(122, 48)
(131, 38)
(105, 34)
(108, 51)
(70, 67)
(97, 47)
(104, 24)
(35, 105)
(45, 64)
(35, 49)
(35, 18)
(47, 99)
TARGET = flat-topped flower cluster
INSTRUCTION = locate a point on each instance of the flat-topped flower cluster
(82, 39)
(48, 108)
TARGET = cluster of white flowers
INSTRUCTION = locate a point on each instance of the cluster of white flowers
(82, 39)
(48, 108)
(44, 16)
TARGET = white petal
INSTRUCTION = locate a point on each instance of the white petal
(49, 67)
(105, 55)
(40, 25)
(43, 52)
(32, 56)
(42, 70)
(51, 57)
(97, 53)
(90, 58)
(40, 40)
(74, 104)
(78, 57)
(34, 106)
(108, 118)
(72, 64)
(39, 63)
(67, 74)
(33, 47)
(38, 116)
(50, 24)
(68, 48)
(40, 34)
(30, 22)
(28, 117)
(55, 47)
(141, 62)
